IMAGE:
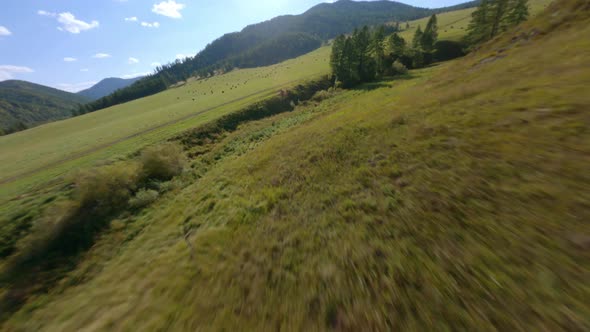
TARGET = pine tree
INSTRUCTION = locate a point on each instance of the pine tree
(499, 10)
(337, 57)
(417, 41)
(519, 12)
(378, 49)
(365, 64)
(397, 45)
(480, 28)
(350, 75)
(430, 35)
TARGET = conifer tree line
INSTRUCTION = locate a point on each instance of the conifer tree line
(492, 17)
(368, 54)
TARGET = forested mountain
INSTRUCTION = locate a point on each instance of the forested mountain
(106, 87)
(24, 104)
(244, 49)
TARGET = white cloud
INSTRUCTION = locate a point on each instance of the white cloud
(7, 71)
(134, 75)
(69, 59)
(131, 19)
(69, 22)
(132, 61)
(181, 56)
(101, 55)
(45, 13)
(84, 70)
(4, 31)
(150, 25)
(75, 87)
(169, 8)
(155, 64)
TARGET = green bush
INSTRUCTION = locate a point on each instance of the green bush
(143, 198)
(162, 162)
(321, 95)
(167, 186)
(398, 68)
(107, 188)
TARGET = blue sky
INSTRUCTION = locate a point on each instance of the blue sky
(72, 44)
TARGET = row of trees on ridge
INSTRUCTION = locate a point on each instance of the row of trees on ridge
(495, 16)
(368, 54)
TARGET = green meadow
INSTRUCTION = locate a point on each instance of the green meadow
(34, 156)
(372, 209)
(451, 198)
(44, 154)
(453, 25)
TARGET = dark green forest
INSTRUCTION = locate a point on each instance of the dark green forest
(24, 104)
(107, 86)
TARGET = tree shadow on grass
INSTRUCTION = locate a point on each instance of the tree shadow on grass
(383, 82)
(41, 268)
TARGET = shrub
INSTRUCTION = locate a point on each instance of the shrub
(143, 198)
(398, 68)
(167, 186)
(44, 233)
(162, 162)
(321, 95)
(107, 188)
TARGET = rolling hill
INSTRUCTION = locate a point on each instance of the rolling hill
(24, 104)
(55, 149)
(453, 24)
(106, 87)
(30, 159)
(239, 49)
(453, 198)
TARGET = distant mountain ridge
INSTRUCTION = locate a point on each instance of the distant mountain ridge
(242, 49)
(106, 87)
(24, 104)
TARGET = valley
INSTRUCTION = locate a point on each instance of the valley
(450, 196)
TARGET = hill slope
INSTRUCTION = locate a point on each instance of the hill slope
(24, 104)
(321, 22)
(58, 148)
(374, 209)
(106, 87)
(453, 24)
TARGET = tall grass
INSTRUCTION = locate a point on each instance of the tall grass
(69, 227)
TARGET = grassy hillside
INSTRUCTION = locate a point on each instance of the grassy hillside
(34, 157)
(374, 209)
(46, 152)
(453, 25)
(25, 104)
(243, 49)
(106, 87)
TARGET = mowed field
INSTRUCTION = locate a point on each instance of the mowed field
(453, 25)
(34, 156)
